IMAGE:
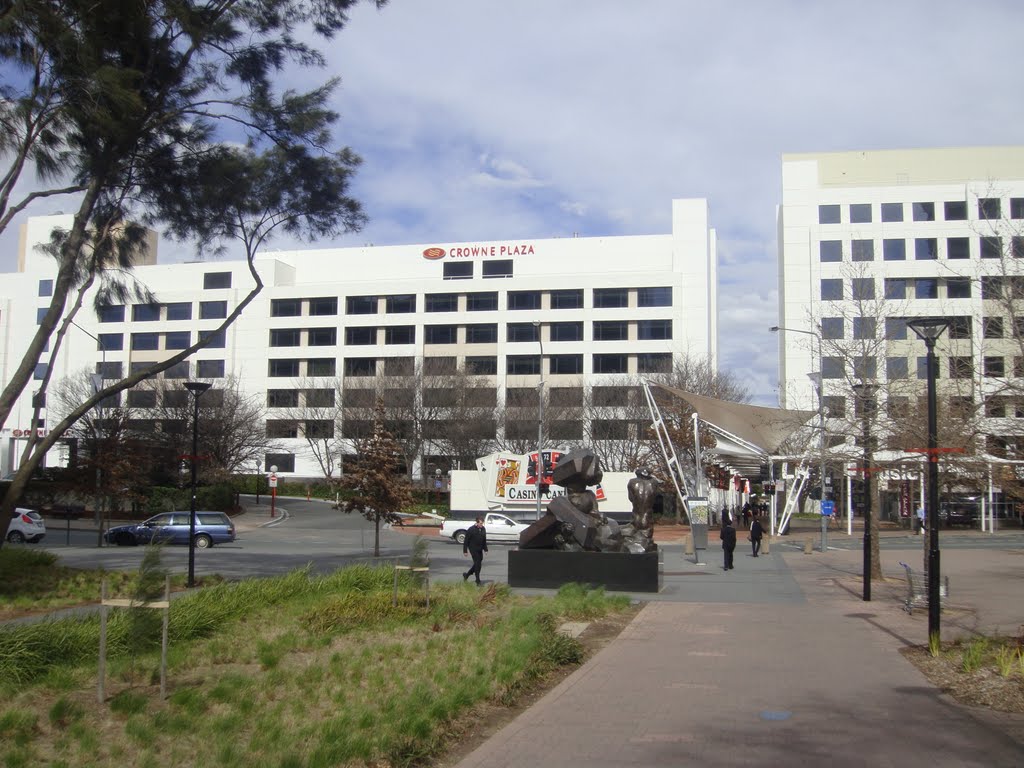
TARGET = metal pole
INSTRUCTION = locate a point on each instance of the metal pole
(192, 516)
(864, 393)
(933, 500)
(540, 418)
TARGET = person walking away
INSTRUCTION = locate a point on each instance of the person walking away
(756, 534)
(475, 544)
(728, 537)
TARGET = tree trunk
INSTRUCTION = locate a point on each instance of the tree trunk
(376, 535)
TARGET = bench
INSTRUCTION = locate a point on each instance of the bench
(917, 590)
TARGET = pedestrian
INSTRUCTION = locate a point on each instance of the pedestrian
(756, 534)
(475, 544)
(728, 537)
(746, 515)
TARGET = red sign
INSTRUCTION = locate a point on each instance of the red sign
(433, 253)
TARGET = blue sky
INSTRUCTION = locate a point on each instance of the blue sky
(480, 119)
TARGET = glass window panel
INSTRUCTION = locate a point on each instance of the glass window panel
(654, 297)
(828, 214)
(213, 280)
(864, 328)
(441, 334)
(892, 211)
(955, 210)
(213, 310)
(611, 364)
(482, 333)
(566, 331)
(361, 336)
(518, 300)
(832, 367)
(571, 298)
(110, 342)
(895, 288)
(926, 288)
(521, 332)
(321, 366)
(610, 298)
(361, 305)
(830, 250)
(360, 366)
(647, 330)
(926, 248)
(654, 362)
(991, 247)
(285, 307)
(988, 208)
(458, 270)
(400, 304)
(832, 328)
(278, 368)
(177, 340)
(894, 249)
(442, 302)
(611, 330)
(896, 328)
(960, 327)
(1017, 207)
(216, 339)
(145, 313)
(923, 211)
(482, 366)
(179, 310)
(860, 213)
(210, 369)
(992, 327)
(498, 268)
(145, 341)
(323, 305)
(400, 334)
(862, 288)
(177, 371)
(522, 364)
(958, 247)
(831, 289)
(285, 337)
(958, 287)
(282, 398)
(323, 337)
(111, 314)
(565, 364)
(863, 250)
(897, 368)
(483, 302)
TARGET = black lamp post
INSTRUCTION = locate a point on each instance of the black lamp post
(865, 391)
(929, 329)
(197, 388)
(540, 417)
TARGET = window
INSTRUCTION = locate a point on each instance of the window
(835, 407)
(213, 310)
(647, 330)
(498, 268)
(610, 397)
(279, 368)
(830, 250)
(482, 302)
(1017, 207)
(40, 314)
(439, 366)
(213, 280)
(216, 339)
(177, 340)
(482, 366)
(282, 398)
(610, 298)
(110, 370)
(864, 328)
(924, 211)
(40, 371)
(611, 330)
(482, 333)
(142, 398)
(865, 367)
(832, 367)
(654, 362)
(110, 342)
(991, 287)
(441, 334)
(955, 210)
(145, 313)
(958, 287)
(321, 366)
(401, 304)
(522, 364)
(523, 300)
(111, 314)
(566, 430)
(320, 398)
(863, 250)
(894, 250)
(358, 367)
(361, 305)
(361, 336)
(892, 211)
(828, 214)
(285, 462)
(860, 213)
(323, 337)
(400, 334)
(318, 429)
(959, 327)
(895, 288)
(571, 298)
(991, 247)
(988, 208)
(323, 305)
(177, 371)
(960, 368)
(565, 363)
(654, 297)
(863, 288)
(831, 289)
(897, 368)
(926, 248)
(992, 327)
(282, 428)
(926, 288)
(458, 270)
(895, 328)
(179, 310)
(145, 341)
(832, 328)
(442, 302)
(1017, 246)
(609, 429)
(285, 307)
(46, 287)
(521, 332)
(994, 367)
(958, 248)
(285, 337)
(611, 364)
(566, 331)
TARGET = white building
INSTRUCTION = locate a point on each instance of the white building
(604, 308)
(923, 232)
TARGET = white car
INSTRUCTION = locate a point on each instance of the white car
(26, 525)
(498, 527)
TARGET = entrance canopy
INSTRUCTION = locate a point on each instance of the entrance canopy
(747, 434)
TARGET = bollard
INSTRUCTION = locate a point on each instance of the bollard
(809, 545)
(766, 545)
(688, 543)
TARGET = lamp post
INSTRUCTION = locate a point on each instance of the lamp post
(97, 386)
(540, 416)
(929, 329)
(256, 475)
(197, 388)
(865, 391)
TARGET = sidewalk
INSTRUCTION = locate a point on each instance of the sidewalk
(747, 678)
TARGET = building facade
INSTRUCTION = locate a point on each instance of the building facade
(575, 313)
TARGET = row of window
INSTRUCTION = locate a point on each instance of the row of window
(151, 313)
(988, 209)
(960, 327)
(479, 301)
(924, 248)
(957, 367)
(479, 333)
(993, 287)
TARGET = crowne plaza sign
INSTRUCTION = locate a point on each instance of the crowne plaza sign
(470, 251)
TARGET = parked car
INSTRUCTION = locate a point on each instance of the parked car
(958, 514)
(173, 528)
(26, 525)
(498, 527)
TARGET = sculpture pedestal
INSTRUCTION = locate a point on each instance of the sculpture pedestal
(615, 571)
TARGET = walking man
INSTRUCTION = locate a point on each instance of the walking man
(756, 532)
(475, 544)
(728, 536)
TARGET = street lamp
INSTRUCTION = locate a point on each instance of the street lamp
(97, 385)
(865, 392)
(540, 416)
(197, 388)
(929, 329)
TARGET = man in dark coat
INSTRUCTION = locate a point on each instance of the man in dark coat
(475, 544)
(756, 533)
(728, 543)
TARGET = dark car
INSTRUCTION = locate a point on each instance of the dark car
(958, 514)
(173, 528)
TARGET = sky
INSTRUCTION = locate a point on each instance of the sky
(493, 120)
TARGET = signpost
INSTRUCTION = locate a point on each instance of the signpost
(273, 489)
(698, 512)
(828, 508)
